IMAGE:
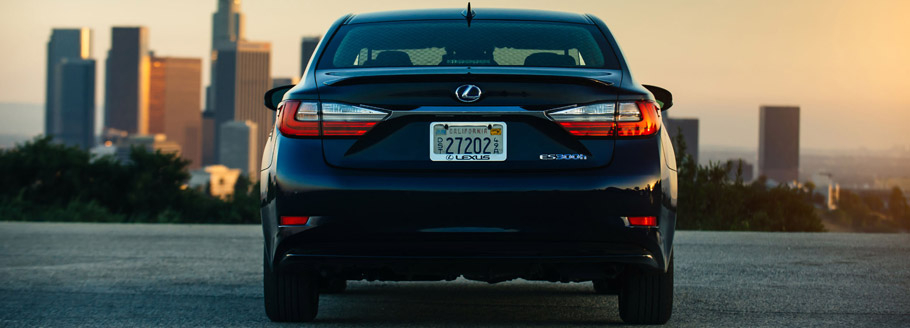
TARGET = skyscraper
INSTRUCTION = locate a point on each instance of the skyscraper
(239, 146)
(243, 77)
(227, 25)
(208, 138)
(307, 47)
(174, 104)
(74, 105)
(778, 145)
(688, 127)
(64, 44)
(126, 81)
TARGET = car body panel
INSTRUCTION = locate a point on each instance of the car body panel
(369, 213)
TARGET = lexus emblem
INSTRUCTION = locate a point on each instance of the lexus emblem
(468, 93)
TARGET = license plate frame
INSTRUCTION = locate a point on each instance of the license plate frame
(468, 157)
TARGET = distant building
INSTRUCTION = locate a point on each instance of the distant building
(282, 81)
(217, 180)
(208, 138)
(121, 146)
(747, 170)
(778, 145)
(74, 102)
(174, 104)
(689, 129)
(239, 144)
(307, 47)
(126, 81)
(227, 25)
(64, 44)
(243, 78)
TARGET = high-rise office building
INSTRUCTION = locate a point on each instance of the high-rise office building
(208, 138)
(688, 127)
(243, 77)
(307, 47)
(227, 25)
(239, 146)
(126, 81)
(74, 106)
(227, 30)
(175, 91)
(64, 44)
(778, 145)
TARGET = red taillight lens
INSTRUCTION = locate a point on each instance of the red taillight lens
(643, 221)
(589, 129)
(648, 120)
(311, 119)
(347, 120)
(632, 119)
(334, 129)
(294, 220)
(298, 119)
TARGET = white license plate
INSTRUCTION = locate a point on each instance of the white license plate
(468, 141)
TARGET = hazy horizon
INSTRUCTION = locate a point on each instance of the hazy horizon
(844, 63)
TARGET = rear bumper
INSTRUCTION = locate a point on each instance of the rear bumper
(370, 219)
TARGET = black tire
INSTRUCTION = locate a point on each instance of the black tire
(606, 286)
(646, 296)
(332, 286)
(290, 297)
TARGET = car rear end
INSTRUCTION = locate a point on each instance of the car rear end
(493, 148)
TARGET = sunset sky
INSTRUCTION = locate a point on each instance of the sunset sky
(846, 63)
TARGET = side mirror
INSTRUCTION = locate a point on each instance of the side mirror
(273, 97)
(664, 97)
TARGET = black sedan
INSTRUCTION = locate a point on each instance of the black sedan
(489, 144)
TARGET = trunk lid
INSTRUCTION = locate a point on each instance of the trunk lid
(515, 98)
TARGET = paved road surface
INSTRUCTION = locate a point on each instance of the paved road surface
(127, 275)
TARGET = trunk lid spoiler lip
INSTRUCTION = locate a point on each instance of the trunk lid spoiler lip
(340, 77)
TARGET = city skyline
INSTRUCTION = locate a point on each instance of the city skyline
(828, 57)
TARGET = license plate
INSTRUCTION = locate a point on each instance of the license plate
(468, 141)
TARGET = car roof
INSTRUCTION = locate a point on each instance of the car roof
(480, 14)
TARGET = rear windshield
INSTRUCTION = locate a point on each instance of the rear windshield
(453, 43)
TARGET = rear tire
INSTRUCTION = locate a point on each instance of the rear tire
(290, 297)
(332, 286)
(646, 296)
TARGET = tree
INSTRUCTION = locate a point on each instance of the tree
(898, 208)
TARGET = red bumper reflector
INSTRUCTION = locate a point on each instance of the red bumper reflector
(294, 220)
(649, 221)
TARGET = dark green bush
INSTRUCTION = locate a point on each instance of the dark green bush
(46, 181)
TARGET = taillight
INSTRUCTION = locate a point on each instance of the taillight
(633, 119)
(645, 122)
(307, 119)
(347, 120)
(298, 118)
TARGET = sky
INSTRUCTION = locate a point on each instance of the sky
(845, 63)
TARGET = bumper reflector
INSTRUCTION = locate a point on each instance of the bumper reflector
(294, 220)
(647, 221)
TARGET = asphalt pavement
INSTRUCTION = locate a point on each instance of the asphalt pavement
(140, 275)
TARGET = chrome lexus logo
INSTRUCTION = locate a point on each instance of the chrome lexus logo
(468, 93)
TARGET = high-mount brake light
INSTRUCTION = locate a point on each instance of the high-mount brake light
(306, 119)
(632, 119)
